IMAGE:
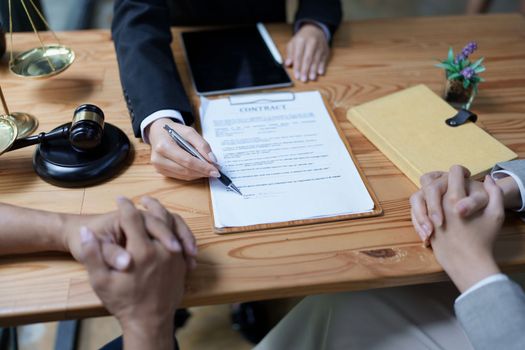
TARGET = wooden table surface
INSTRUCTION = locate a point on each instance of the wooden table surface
(370, 59)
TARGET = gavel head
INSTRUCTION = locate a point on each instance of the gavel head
(86, 128)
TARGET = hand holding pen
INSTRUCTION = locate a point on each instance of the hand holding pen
(171, 160)
(186, 146)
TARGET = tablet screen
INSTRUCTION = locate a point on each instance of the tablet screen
(231, 59)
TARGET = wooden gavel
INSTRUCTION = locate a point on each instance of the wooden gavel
(84, 133)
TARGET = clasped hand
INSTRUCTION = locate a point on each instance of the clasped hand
(158, 223)
(137, 262)
(460, 218)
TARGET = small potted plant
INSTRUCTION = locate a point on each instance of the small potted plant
(462, 76)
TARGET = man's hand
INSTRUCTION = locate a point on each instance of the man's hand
(308, 52)
(143, 298)
(464, 246)
(167, 228)
(172, 161)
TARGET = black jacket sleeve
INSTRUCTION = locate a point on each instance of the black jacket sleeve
(149, 77)
(328, 12)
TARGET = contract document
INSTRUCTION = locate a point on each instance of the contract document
(284, 153)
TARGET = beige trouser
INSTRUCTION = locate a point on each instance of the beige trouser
(415, 317)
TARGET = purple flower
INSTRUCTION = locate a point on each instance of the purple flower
(459, 57)
(468, 73)
(472, 46)
(467, 51)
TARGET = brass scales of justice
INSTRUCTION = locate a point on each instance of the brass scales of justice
(38, 63)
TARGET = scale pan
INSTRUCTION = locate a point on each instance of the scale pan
(25, 123)
(8, 134)
(35, 63)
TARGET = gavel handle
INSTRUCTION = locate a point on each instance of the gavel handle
(62, 133)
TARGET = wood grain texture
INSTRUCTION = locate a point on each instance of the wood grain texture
(370, 59)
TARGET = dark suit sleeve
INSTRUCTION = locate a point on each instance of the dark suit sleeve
(328, 12)
(149, 77)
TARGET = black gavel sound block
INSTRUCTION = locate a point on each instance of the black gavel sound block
(82, 153)
(60, 164)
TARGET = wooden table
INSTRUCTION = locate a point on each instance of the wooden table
(370, 59)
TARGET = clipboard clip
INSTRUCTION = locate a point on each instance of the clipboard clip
(463, 116)
(244, 99)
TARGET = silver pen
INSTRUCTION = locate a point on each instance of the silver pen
(185, 145)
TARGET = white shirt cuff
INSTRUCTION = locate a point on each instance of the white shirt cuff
(521, 187)
(163, 113)
(491, 279)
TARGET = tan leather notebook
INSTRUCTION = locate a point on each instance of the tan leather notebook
(409, 128)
